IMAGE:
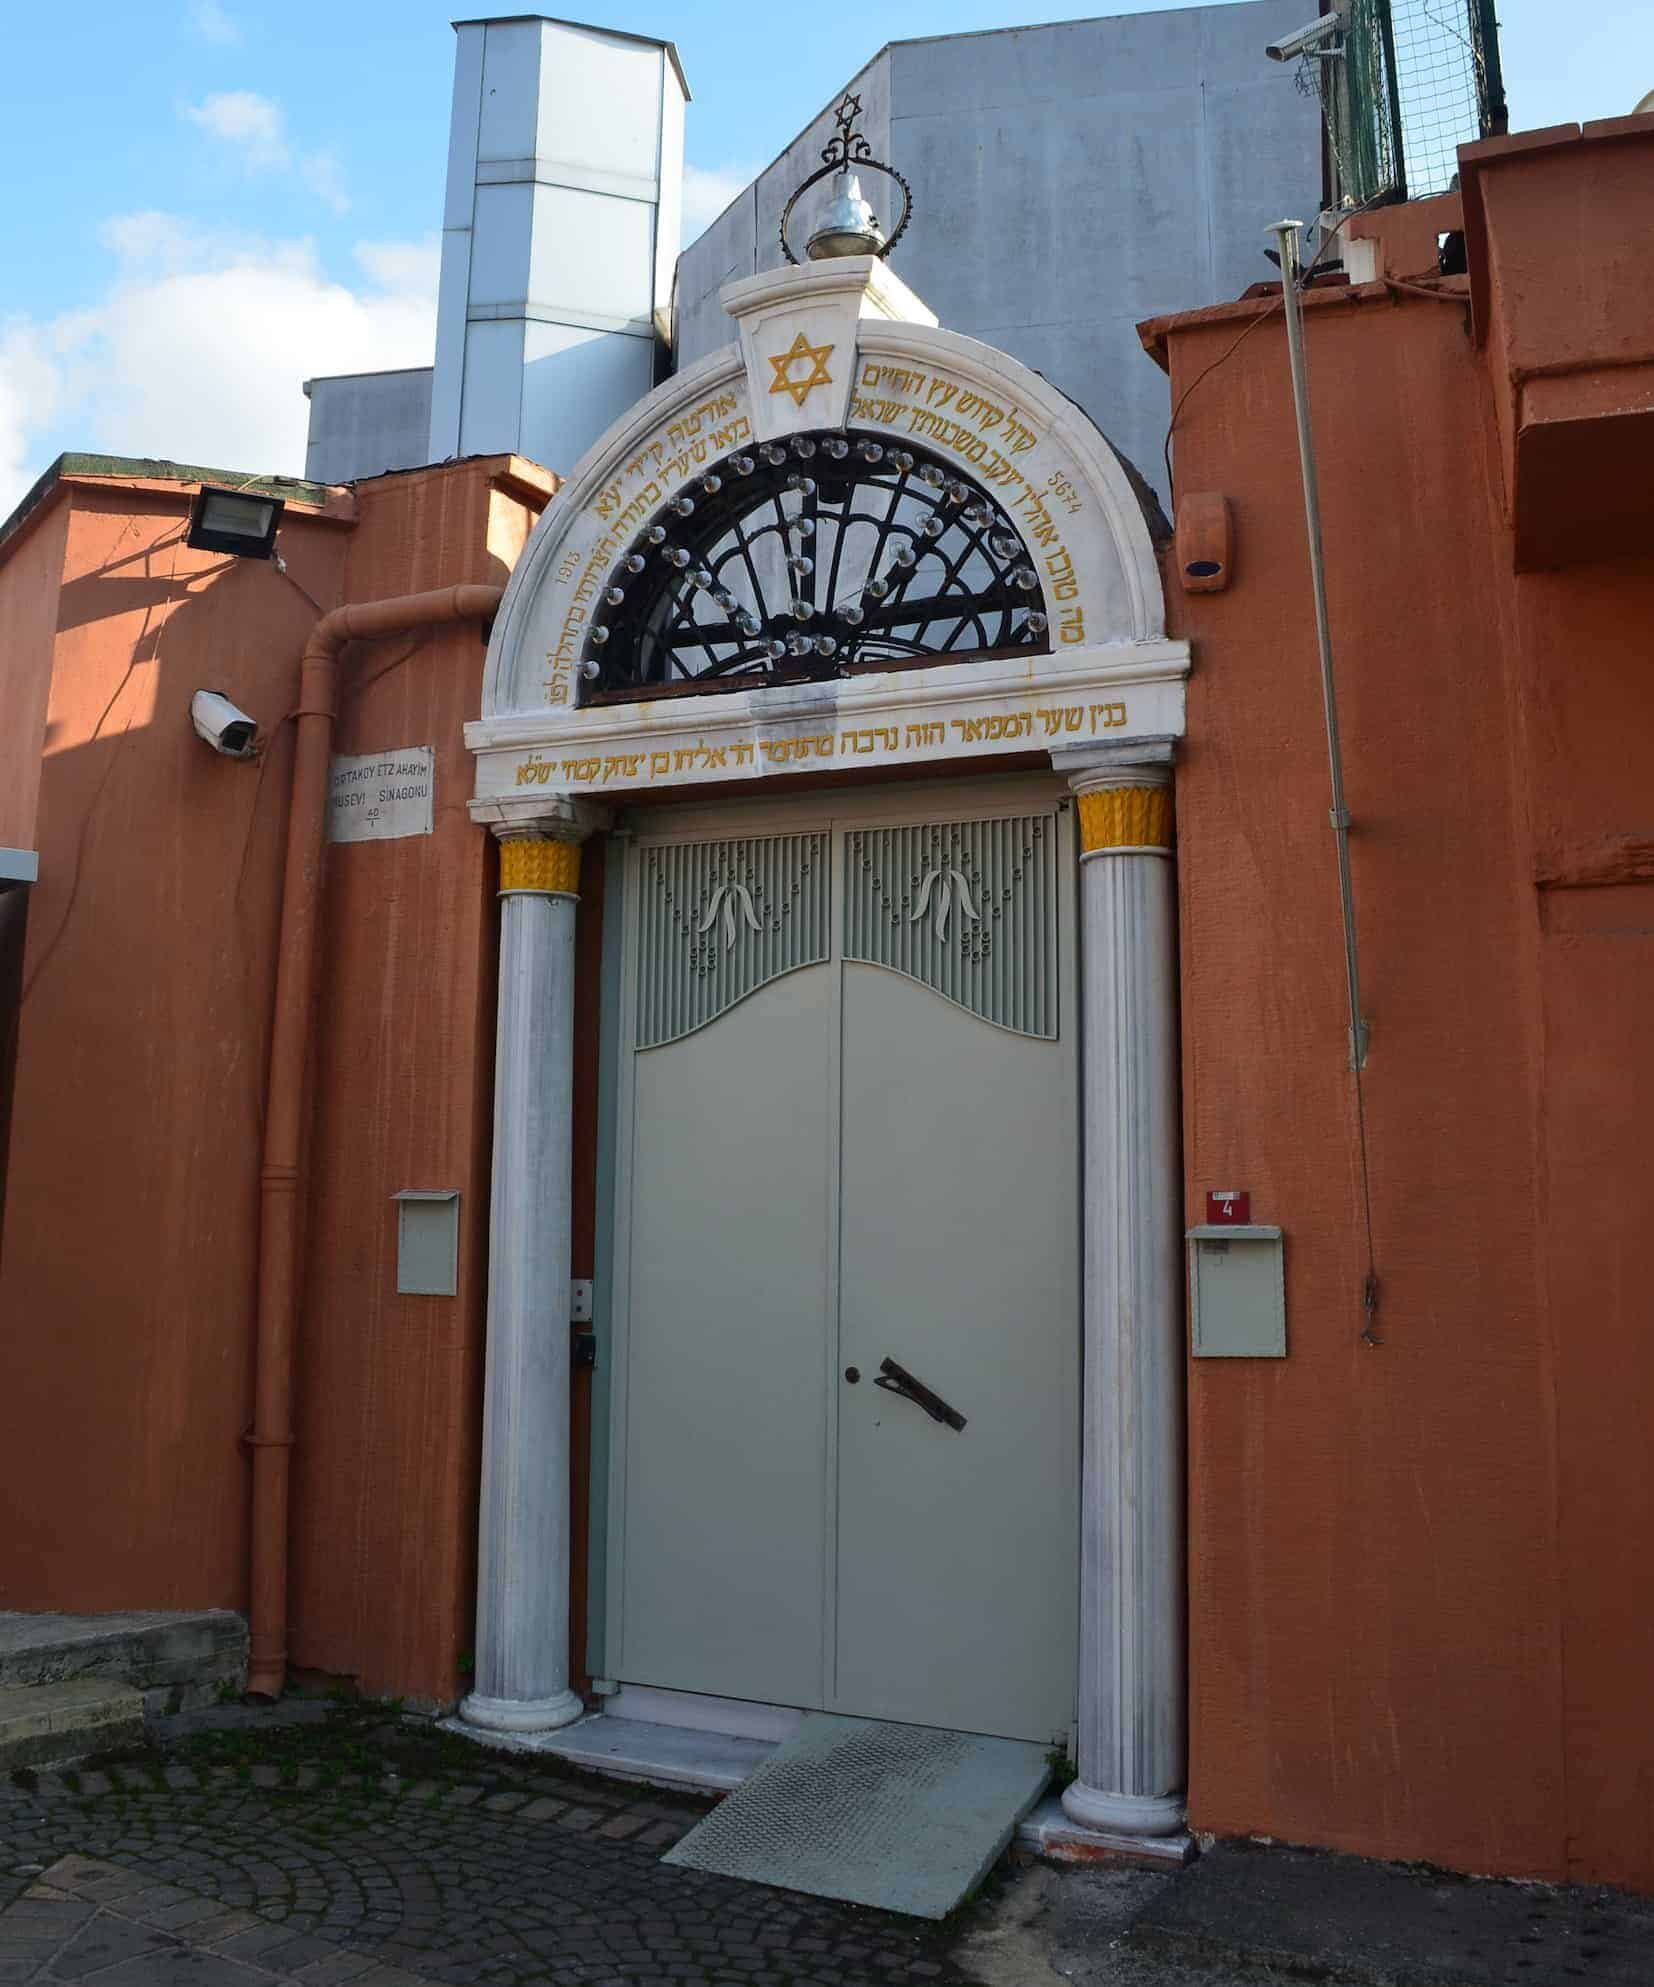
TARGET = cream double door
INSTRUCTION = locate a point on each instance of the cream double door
(847, 1132)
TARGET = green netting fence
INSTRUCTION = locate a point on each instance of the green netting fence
(1410, 81)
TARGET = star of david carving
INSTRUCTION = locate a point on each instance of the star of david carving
(816, 356)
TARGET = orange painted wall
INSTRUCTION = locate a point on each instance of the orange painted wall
(1416, 1625)
(126, 1276)
(389, 1398)
(28, 618)
(1589, 685)
(127, 1269)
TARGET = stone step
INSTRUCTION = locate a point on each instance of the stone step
(57, 1724)
(178, 1660)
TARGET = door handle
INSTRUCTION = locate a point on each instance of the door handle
(898, 1380)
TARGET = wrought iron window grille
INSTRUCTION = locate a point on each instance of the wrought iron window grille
(816, 557)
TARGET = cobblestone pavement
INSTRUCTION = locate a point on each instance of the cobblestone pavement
(399, 1854)
(91, 1921)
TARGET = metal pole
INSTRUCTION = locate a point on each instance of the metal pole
(1398, 146)
(1286, 232)
(1491, 77)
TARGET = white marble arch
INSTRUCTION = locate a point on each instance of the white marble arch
(1106, 702)
(1111, 673)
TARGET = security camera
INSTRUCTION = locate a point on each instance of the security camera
(1312, 40)
(225, 729)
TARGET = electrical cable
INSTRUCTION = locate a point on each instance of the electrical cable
(298, 586)
(1287, 232)
(1230, 350)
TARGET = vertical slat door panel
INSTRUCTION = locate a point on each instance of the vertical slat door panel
(854, 1134)
(727, 1314)
(957, 1551)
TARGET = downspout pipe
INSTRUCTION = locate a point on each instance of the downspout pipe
(281, 1178)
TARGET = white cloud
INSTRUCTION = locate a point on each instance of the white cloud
(245, 119)
(198, 348)
(213, 24)
(411, 266)
(257, 128)
(321, 173)
(155, 240)
(30, 394)
(707, 191)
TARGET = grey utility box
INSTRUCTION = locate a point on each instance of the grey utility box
(1237, 1293)
(427, 1242)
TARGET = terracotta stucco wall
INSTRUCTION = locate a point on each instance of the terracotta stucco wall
(28, 620)
(1415, 1626)
(127, 1270)
(390, 1386)
(127, 1285)
(1589, 692)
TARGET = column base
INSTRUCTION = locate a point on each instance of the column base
(520, 1714)
(1123, 1814)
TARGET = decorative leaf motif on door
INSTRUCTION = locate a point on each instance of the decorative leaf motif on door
(967, 908)
(729, 895)
(953, 885)
(718, 920)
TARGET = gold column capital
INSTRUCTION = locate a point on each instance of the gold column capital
(538, 864)
(540, 851)
(1127, 816)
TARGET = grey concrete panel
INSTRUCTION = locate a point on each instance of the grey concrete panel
(491, 403)
(513, 55)
(464, 127)
(1043, 67)
(1233, 40)
(745, 238)
(573, 383)
(1102, 366)
(1068, 180)
(1093, 209)
(362, 424)
(1259, 168)
(726, 250)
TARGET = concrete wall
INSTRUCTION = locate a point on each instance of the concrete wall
(128, 1254)
(1416, 1606)
(389, 1391)
(1067, 181)
(28, 624)
(362, 424)
(126, 1266)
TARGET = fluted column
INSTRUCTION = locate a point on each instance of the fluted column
(522, 1644)
(1132, 1671)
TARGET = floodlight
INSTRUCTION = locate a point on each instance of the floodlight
(234, 521)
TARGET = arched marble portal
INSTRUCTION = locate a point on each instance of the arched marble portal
(844, 349)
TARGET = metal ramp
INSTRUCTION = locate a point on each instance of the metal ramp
(900, 1817)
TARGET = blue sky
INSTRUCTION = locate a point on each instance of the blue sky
(212, 200)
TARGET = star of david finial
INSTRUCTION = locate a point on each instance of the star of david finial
(846, 153)
(801, 352)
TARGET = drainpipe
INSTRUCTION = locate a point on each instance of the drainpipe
(280, 1181)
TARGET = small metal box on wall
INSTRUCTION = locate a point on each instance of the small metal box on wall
(427, 1242)
(1237, 1292)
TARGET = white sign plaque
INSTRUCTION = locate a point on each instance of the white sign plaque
(381, 796)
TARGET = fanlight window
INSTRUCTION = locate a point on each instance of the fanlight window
(815, 557)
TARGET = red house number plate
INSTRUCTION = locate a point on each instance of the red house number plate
(1228, 1207)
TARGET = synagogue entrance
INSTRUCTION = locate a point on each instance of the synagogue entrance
(846, 1380)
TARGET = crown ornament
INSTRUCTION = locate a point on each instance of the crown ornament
(849, 227)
